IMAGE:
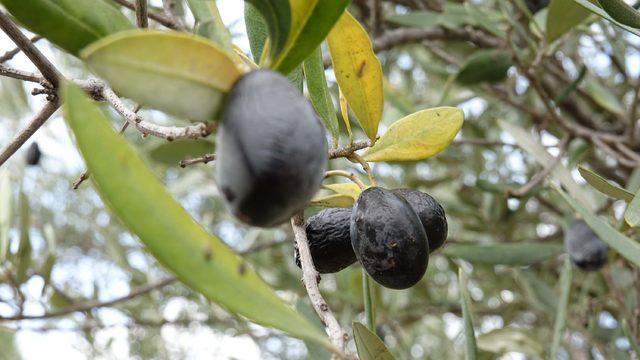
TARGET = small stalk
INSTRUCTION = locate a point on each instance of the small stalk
(368, 304)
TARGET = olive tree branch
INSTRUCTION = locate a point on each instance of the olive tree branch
(142, 17)
(310, 279)
(354, 157)
(83, 307)
(207, 158)
(152, 15)
(348, 175)
(12, 53)
(346, 151)
(19, 74)
(45, 67)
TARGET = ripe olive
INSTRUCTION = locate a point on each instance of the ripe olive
(584, 247)
(431, 215)
(33, 154)
(271, 149)
(389, 239)
(328, 234)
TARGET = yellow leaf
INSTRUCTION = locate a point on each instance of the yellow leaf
(333, 201)
(417, 136)
(345, 114)
(347, 189)
(358, 72)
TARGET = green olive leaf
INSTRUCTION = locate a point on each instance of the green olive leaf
(369, 345)
(319, 93)
(179, 73)
(6, 213)
(24, 247)
(601, 184)
(417, 136)
(563, 15)
(346, 188)
(170, 153)
(485, 66)
(516, 254)
(170, 234)
(559, 323)
(70, 24)
(330, 201)
(621, 12)
(471, 349)
(594, 8)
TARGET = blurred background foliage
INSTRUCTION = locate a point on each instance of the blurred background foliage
(67, 251)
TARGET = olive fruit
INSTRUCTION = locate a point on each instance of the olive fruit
(431, 215)
(536, 5)
(328, 234)
(271, 149)
(389, 239)
(584, 247)
(33, 154)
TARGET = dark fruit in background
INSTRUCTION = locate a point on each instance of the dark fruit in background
(271, 149)
(584, 247)
(536, 5)
(33, 154)
(431, 215)
(328, 233)
(389, 239)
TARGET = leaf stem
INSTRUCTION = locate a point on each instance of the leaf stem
(348, 175)
(368, 304)
(365, 166)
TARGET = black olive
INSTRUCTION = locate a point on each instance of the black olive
(33, 154)
(328, 234)
(431, 215)
(584, 247)
(271, 149)
(389, 239)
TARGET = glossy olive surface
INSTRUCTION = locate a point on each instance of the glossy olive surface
(389, 239)
(431, 215)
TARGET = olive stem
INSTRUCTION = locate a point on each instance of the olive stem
(368, 304)
(346, 174)
(365, 166)
(310, 279)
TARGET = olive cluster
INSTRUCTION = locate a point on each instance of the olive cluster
(390, 232)
(584, 247)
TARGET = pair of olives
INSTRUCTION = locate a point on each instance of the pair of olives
(390, 232)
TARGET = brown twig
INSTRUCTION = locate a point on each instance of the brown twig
(346, 151)
(152, 15)
(347, 175)
(83, 307)
(8, 150)
(45, 67)
(310, 278)
(13, 52)
(142, 17)
(19, 74)
(202, 159)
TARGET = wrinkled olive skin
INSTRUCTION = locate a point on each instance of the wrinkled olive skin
(536, 5)
(33, 154)
(431, 215)
(389, 239)
(328, 234)
(584, 247)
(271, 149)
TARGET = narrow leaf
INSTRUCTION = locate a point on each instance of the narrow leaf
(24, 247)
(632, 341)
(561, 313)
(6, 212)
(358, 72)
(600, 12)
(311, 22)
(601, 184)
(276, 15)
(347, 188)
(337, 200)
(563, 15)
(344, 111)
(177, 241)
(628, 248)
(621, 12)
(471, 350)
(209, 23)
(417, 136)
(485, 66)
(179, 73)
(70, 24)
(257, 30)
(632, 214)
(540, 154)
(319, 93)
(518, 254)
(369, 345)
